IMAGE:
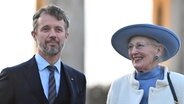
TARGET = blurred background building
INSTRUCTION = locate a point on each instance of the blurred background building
(93, 23)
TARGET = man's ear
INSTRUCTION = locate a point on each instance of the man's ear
(33, 33)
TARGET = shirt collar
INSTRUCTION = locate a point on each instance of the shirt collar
(42, 63)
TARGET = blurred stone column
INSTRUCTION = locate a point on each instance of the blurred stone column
(73, 53)
(170, 13)
(177, 23)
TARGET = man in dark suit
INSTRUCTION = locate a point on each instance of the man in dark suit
(31, 82)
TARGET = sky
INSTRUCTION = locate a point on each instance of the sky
(102, 18)
(15, 31)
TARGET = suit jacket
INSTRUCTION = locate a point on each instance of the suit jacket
(21, 84)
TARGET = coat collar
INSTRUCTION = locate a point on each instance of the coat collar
(160, 83)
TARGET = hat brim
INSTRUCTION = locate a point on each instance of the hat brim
(163, 35)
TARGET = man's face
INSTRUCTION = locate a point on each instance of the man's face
(50, 35)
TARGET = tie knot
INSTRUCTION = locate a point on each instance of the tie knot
(51, 68)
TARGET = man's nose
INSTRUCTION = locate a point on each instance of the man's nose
(52, 33)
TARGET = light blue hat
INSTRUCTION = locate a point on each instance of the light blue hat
(166, 37)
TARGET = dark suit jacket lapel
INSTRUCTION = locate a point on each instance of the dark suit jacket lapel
(32, 76)
(71, 83)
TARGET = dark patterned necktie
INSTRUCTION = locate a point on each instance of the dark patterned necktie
(52, 85)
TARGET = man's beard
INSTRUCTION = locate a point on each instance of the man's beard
(51, 50)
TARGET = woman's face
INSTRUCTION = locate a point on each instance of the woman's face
(142, 52)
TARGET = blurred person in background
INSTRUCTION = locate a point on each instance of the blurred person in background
(147, 45)
(31, 82)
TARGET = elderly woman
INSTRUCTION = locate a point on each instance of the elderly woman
(147, 45)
